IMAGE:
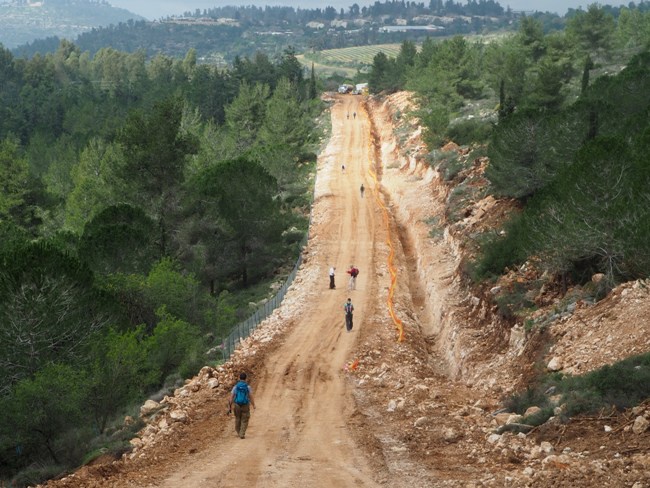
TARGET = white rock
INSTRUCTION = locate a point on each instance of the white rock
(640, 425)
(178, 416)
(608, 428)
(532, 411)
(136, 442)
(493, 438)
(392, 405)
(514, 419)
(529, 471)
(554, 364)
(213, 383)
(450, 434)
(547, 447)
(148, 408)
(421, 422)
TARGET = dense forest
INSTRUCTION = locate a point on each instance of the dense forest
(144, 206)
(568, 142)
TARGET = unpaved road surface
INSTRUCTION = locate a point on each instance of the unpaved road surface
(298, 435)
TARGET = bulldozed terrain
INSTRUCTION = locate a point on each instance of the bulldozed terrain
(413, 396)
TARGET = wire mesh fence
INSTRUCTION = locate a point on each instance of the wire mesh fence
(242, 330)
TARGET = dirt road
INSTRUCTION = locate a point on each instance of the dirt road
(298, 435)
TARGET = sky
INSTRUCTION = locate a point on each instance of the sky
(162, 8)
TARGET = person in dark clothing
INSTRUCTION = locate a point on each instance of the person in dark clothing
(349, 309)
(362, 189)
(332, 284)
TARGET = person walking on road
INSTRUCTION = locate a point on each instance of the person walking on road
(354, 115)
(362, 189)
(242, 396)
(349, 309)
(332, 284)
(353, 272)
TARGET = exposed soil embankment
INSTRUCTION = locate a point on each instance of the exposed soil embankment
(461, 331)
(474, 358)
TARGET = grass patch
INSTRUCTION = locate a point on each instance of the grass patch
(437, 227)
(621, 385)
(470, 131)
(515, 302)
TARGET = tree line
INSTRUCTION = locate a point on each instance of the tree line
(277, 27)
(567, 142)
(144, 205)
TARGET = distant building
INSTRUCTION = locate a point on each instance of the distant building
(411, 28)
(315, 25)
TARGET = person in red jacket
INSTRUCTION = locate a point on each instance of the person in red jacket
(353, 272)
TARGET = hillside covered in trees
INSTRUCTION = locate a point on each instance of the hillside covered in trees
(24, 21)
(221, 34)
(144, 206)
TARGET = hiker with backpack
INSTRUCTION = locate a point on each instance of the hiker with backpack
(348, 308)
(353, 272)
(242, 396)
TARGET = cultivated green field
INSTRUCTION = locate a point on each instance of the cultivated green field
(348, 60)
(352, 57)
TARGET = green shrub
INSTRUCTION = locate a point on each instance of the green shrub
(531, 396)
(448, 163)
(620, 385)
(172, 346)
(501, 250)
(469, 131)
(512, 303)
(36, 474)
(540, 417)
(457, 203)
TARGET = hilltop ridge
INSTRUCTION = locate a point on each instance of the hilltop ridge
(22, 22)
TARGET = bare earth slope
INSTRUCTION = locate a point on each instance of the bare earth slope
(338, 409)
